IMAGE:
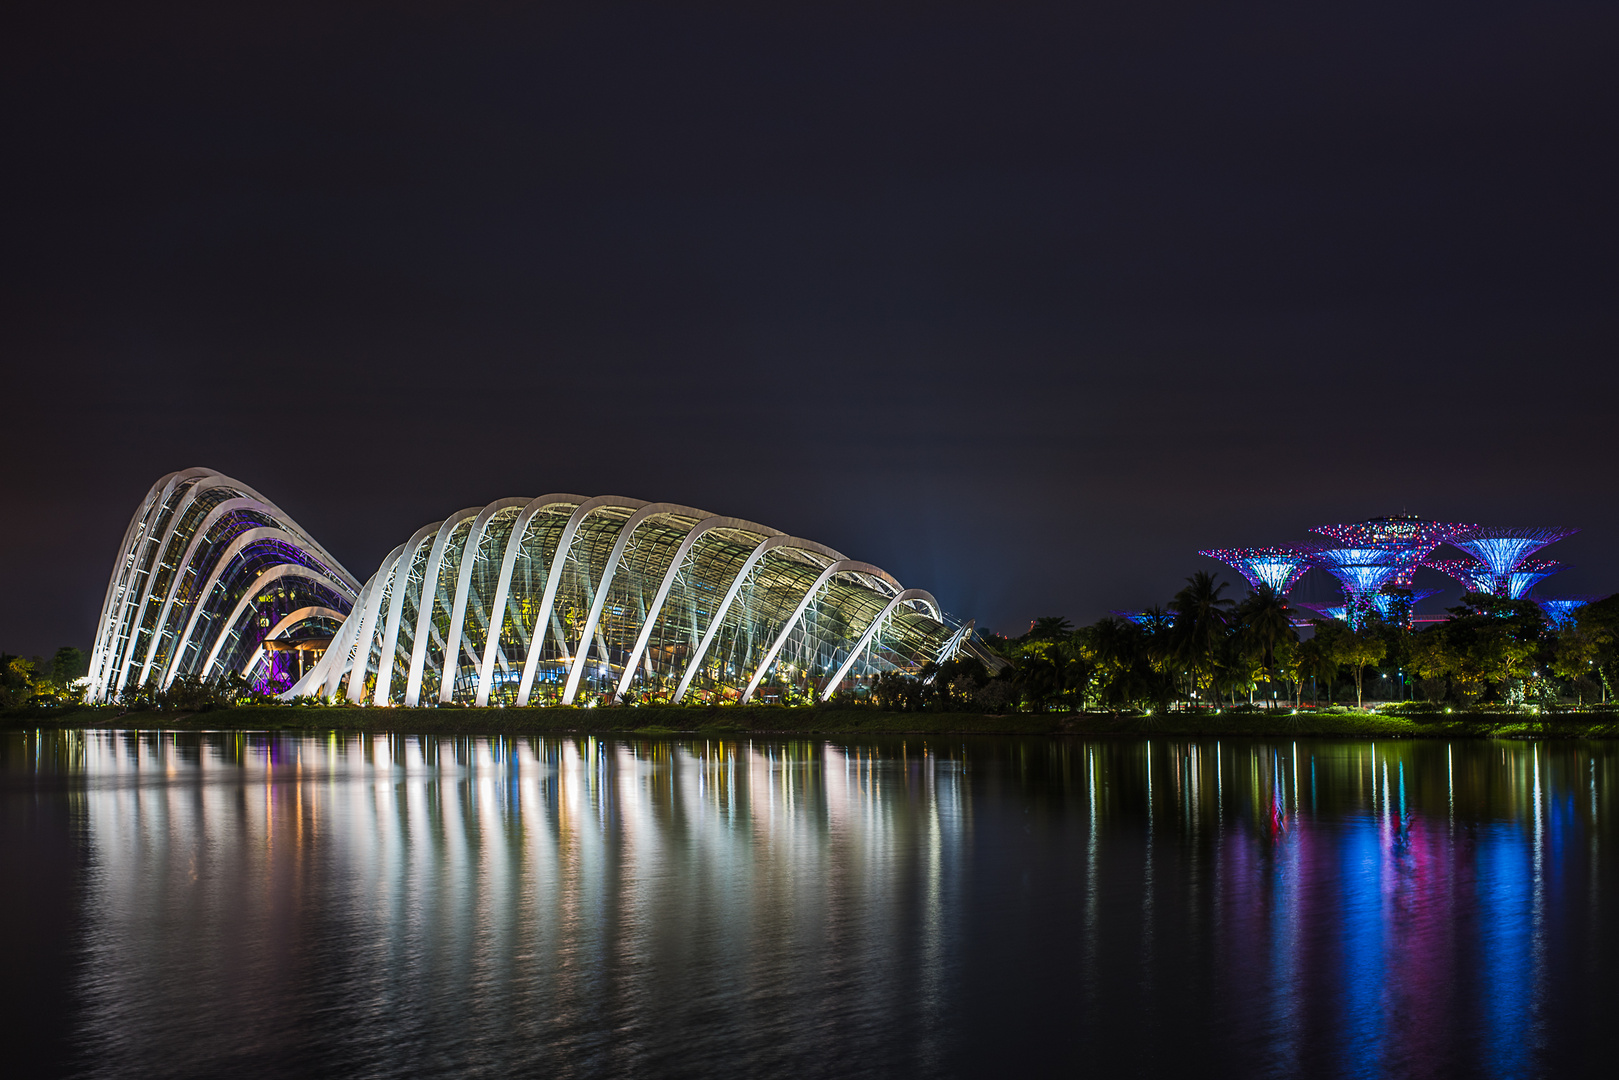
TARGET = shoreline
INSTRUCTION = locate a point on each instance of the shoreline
(785, 722)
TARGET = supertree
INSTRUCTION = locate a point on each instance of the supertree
(1559, 610)
(1527, 575)
(1402, 532)
(1502, 550)
(1470, 572)
(1279, 567)
(1364, 571)
(1396, 606)
(1326, 611)
(1140, 618)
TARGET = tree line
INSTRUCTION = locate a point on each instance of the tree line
(1205, 649)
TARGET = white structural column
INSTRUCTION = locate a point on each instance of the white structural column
(424, 609)
(133, 612)
(107, 628)
(265, 532)
(396, 610)
(655, 610)
(458, 612)
(765, 546)
(292, 618)
(600, 603)
(871, 633)
(559, 559)
(386, 573)
(497, 609)
(842, 566)
(275, 573)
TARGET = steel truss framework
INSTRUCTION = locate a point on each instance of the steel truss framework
(573, 600)
(207, 572)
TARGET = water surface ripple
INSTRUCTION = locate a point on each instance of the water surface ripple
(203, 904)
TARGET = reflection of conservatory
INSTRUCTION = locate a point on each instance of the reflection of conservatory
(596, 599)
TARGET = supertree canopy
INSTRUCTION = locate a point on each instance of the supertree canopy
(1364, 570)
(1376, 561)
(1326, 611)
(1470, 572)
(1279, 567)
(1503, 549)
(1517, 584)
(1560, 610)
(1401, 531)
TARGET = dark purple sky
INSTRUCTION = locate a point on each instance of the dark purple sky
(1024, 304)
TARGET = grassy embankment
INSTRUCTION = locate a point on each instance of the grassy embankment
(775, 720)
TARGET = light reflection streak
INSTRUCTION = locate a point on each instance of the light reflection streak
(546, 881)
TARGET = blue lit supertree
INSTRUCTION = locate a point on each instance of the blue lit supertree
(1503, 550)
(1474, 575)
(1364, 571)
(1279, 566)
(1527, 575)
(1401, 532)
(1559, 610)
(1396, 607)
(1326, 611)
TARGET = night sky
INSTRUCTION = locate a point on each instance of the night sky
(1023, 304)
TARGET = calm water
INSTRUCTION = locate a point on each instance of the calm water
(192, 905)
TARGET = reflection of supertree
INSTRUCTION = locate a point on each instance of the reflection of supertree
(1559, 610)
(1279, 566)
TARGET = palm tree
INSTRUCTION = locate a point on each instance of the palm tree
(1202, 619)
(1266, 621)
(1050, 628)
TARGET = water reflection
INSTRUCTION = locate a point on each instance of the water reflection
(405, 905)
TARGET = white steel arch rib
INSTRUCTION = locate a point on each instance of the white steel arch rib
(497, 609)
(206, 479)
(637, 519)
(655, 610)
(843, 566)
(424, 608)
(558, 560)
(107, 627)
(765, 546)
(206, 483)
(469, 555)
(119, 612)
(275, 573)
(263, 532)
(133, 612)
(386, 573)
(331, 667)
(872, 630)
(396, 611)
(208, 522)
(289, 619)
